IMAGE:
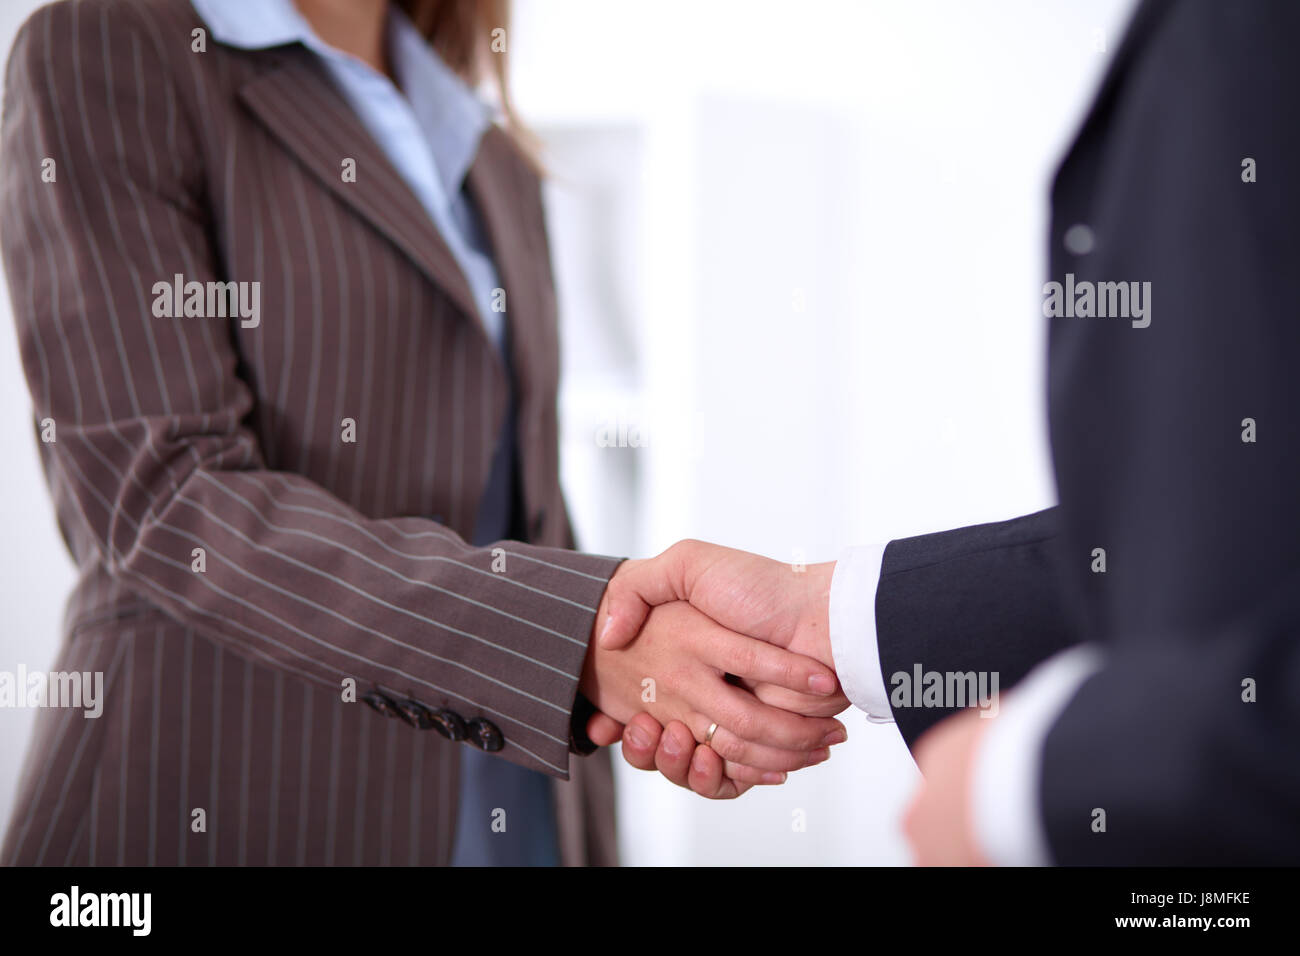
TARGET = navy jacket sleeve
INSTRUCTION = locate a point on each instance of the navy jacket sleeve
(978, 599)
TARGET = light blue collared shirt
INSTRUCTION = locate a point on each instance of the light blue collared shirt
(429, 129)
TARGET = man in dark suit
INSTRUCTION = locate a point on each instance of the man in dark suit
(1158, 605)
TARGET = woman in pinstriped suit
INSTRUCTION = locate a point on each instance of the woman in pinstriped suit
(321, 537)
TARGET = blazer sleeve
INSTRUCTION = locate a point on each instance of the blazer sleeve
(101, 195)
(978, 599)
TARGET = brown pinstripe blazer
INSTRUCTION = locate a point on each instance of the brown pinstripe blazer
(324, 561)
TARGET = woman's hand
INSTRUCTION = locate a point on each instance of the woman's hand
(781, 604)
(676, 670)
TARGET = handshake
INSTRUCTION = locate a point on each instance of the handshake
(714, 667)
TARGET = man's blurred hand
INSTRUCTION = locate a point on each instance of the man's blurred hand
(940, 823)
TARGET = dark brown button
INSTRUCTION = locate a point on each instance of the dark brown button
(539, 522)
(380, 703)
(415, 714)
(448, 723)
(484, 735)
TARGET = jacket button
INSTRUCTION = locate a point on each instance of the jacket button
(448, 723)
(414, 713)
(539, 522)
(484, 735)
(1079, 239)
(380, 704)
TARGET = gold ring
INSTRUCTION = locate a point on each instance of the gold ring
(708, 738)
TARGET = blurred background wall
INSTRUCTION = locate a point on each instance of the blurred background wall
(799, 250)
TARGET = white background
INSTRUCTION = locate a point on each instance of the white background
(800, 251)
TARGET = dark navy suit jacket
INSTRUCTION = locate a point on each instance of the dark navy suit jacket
(1200, 528)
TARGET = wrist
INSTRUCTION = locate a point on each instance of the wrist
(587, 680)
(813, 631)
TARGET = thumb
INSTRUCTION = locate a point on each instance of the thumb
(635, 588)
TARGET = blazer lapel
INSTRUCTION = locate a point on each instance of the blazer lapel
(299, 105)
(1140, 27)
(504, 191)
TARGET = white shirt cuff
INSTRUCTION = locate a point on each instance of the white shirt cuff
(853, 630)
(1007, 817)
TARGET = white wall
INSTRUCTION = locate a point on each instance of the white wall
(800, 246)
(837, 225)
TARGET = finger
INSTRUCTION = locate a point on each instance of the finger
(638, 586)
(603, 729)
(707, 777)
(676, 748)
(640, 745)
(707, 774)
(641, 740)
(748, 718)
(758, 756)
(635, 588)
(807, 704)
(752, 776)
(756, 660)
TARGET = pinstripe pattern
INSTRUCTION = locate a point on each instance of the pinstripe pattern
(323, 563)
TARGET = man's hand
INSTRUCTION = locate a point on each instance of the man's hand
(779, 603)
(784, 605)
(688, 657)
(940, 822)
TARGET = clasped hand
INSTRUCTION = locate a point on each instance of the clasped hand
(701, 636)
